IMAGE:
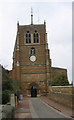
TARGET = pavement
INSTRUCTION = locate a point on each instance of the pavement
(26, 109)
(23, 109)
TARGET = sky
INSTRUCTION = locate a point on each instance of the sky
(58, 17)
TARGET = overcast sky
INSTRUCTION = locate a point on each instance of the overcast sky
(58, 17)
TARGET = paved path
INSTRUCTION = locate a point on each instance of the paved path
(37, 108)
(23, 109)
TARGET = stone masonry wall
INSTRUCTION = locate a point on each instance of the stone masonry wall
(63, 95)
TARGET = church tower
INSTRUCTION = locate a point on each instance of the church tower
(31, 60)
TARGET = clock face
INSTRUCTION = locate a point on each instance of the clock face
(33, 58)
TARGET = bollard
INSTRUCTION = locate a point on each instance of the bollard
(15, 101)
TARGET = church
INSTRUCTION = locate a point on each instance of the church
(32, 66)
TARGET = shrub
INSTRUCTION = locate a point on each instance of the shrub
(5, 96)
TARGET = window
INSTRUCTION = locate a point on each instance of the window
(17, 42)
(35, 37)
(17, 63)
(17, 47)
(28, 37)
(33, 51)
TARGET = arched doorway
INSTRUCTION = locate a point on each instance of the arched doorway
(33, 91)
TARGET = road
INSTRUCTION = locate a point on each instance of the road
(43, 110)
(37, 108)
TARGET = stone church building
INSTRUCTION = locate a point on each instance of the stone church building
(32, 66)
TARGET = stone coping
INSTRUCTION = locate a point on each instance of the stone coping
(62, 86)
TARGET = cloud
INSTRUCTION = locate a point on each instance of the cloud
(19, 1)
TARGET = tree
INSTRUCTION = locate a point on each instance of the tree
(7, 86)
(16, 89)
(60, 80)
(6, 81)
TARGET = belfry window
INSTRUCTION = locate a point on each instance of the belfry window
(33, 51)
(35, 37)
(28, 37)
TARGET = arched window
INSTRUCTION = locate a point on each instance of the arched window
(35, 37)
(33, 51)
(28, 37)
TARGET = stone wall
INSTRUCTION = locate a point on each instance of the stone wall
(62, 94)
(62, 89)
